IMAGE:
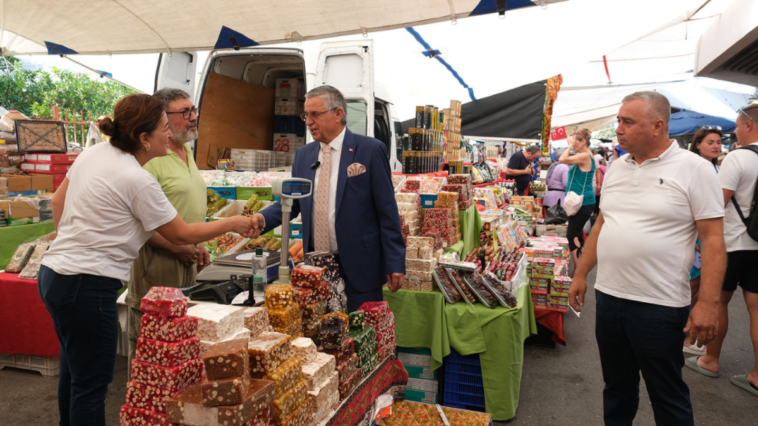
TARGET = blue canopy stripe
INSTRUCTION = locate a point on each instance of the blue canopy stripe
(491, 6)
(59, 49)
(688, 122)
(432, 53)
(230, 39)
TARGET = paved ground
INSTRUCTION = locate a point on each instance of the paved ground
(561, 386)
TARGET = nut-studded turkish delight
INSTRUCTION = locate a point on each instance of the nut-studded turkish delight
(147, 397)
(226, 360)
(307, 276)
(301, 416)
(286, 375)
(386, 350)
(131, 416)
(340, 351)
(243, 334)
(256, 320)
(314, 312)
(347, 367)
(420, 242)
(464, 178)
(217, 322)
(167, 354)
(322, 394)
(336, 319)
(287, 402)
(267, 352)
(295, 329)
(438, 213)
(313, 332)
(347, 385)
(282, 318)
(356, 321)
(375, 312)
(363, 339)
(304, 296)
(426, 265)
(167, 329)
(225, 391)
(170, 378)
(262, 419)
(303, 349)
(187, 407)
(425, 253)
(324, 260)
(278, 296)
(411, 253)
(164, 301)
(318, 371)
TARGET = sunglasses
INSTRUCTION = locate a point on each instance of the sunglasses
(712, 128)
(749, 118)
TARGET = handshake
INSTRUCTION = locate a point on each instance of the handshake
(248, 227)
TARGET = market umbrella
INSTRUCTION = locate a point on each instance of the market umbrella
(687, 122)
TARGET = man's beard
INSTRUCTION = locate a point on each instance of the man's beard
(185, 136)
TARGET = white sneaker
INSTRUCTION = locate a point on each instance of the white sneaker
(694, 349)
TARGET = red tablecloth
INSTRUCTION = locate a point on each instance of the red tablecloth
(26, 327)
(553, 321)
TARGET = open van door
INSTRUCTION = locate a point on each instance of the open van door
(177, 70)
(349, 66)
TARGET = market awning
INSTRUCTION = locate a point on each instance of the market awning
(513, 114)
(688, 122)
(147, 26)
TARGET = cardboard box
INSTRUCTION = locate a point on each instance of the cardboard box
(288, 88)
(288, 142)
(67, 158)
(43, 182)
(263, 192)
(50, 168)
(19, 183)
(288, 106)
(18, 209)
(228, 192)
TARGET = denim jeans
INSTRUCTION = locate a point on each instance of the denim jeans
(83, 308)
(635, 336)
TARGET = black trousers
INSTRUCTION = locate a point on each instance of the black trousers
(576, 226)
(356, 298)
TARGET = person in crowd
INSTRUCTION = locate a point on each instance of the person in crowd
(618, 151)
(600, 170)
(656, 200)
(554, 155)
(738, 176)
(160, 262)
(706, 143)
(581, 174)
(105, 210)
(352, 212)
(520, 167)
(557, 177)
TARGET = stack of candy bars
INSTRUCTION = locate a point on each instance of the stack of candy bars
(167, 359)
(283, 312)
(378, 315)
(320, 375)
(335, 327)
(420, 257)
(442, 221)
(364, 341)
(218, 323)
(408, 206)
(228, 396)
(468, 187)
(310, 290)
(337, 300)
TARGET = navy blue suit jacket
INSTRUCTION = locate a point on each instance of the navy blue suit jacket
(367, 221)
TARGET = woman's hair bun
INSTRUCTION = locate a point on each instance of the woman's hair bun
(107, 126)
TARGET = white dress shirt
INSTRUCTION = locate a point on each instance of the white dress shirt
(334, 168)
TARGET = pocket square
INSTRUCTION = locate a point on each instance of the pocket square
(355, 169)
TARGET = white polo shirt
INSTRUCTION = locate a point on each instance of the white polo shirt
(647, 244)
(739, 172)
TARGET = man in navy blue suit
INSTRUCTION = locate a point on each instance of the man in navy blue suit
(352, 213)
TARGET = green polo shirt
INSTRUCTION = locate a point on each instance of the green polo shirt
(182, 184)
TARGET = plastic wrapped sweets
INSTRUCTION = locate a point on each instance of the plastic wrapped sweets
(318, 371)
(167, 354)
(164, 301)
(170, 378)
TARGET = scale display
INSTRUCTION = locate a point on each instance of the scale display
(291, 188)
(295, 188)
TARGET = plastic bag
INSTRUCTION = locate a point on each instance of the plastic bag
(556, 215)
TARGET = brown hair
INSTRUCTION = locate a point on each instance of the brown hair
(700, 135)
(585, 134)
(133, 115)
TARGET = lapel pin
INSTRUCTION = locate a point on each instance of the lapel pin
(351, 149)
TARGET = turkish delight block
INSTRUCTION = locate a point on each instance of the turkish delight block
(411, 253)
(314, 312)
(420, 242)
(324, 260)
(187, 407)
(170, 378)
(131, 416)
(301, 416)
(278, 296)
(147, 397)
(282, 318)
(267, 352)
(311, 330)
(332, 400)
(347, 367)
(356, 321)
(167, 329)
(336, 319)
(348, 385)
(375, 359)
(286, 375)
(226, 360)
(243, 334)
(464, 178)
(425, 253)
(366, 369)
(225, 391)
(321, 394)
(437, 213)
(364, 339)
(364, 356)
(287, 402)
(303, 349)
(426, 265)
(165, 302)
(341, 351)
(262, 419)
(217, 322)
(386, 350)
(294, 330)
(307, 276)
(256, 320)
(305, 296)
(167, 354)
(318, 371)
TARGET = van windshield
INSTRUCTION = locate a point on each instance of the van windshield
(356, 117)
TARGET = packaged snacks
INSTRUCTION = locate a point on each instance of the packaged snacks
(167, 329)
(255, 319)
(479, 289)
(31, 269)
(225, 391)
(424, 265)
(374, 312)
(286, 375)
(267, 352)
(278, 296)
(171, 379)
(303, 349)
(20, 257)
(164, 301)
(318, 371)
(167, 354)
(226, 360)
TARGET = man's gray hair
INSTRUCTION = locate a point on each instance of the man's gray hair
(333, 98)
(533, 149)
(658, 105)
(169, 95)
(749, 111)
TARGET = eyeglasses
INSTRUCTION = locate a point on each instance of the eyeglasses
(186, 113)
(712, 128)
(315, 115)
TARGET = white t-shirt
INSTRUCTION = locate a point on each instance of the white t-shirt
(738, 173)
(646, 246)
(112, 208)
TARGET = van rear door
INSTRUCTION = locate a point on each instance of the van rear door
(177, 70)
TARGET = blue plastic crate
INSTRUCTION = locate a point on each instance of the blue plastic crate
(463, 399)
(454, 367)
(467, 389)
(464, 407)
(464, 379)
(289, 124)
(462, 359)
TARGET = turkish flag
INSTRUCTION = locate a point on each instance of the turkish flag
(558, 134)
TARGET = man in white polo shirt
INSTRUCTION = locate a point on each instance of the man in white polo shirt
(738, 176)
(656, 200)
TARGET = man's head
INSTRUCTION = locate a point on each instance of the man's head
(747, 125)
(182, 114)
(531, 152)
(643, 122)
(325, 113)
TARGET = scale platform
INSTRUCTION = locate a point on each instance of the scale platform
(238, 264)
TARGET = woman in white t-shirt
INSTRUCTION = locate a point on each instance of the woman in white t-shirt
(104, 211)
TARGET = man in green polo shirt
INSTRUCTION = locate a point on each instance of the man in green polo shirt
(161, 263)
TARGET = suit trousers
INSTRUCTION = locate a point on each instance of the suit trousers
(356, 298)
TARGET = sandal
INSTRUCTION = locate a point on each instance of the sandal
(742, 382)
(691, 363)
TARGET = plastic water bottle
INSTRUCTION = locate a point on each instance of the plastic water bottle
(260, 273)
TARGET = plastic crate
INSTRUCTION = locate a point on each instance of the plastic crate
(468, 389)
(463, 399)
(47, 366)
(465, 379)
(464, 407)
(453, 367)
(463, 359)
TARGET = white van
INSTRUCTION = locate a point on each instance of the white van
(347, 66)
